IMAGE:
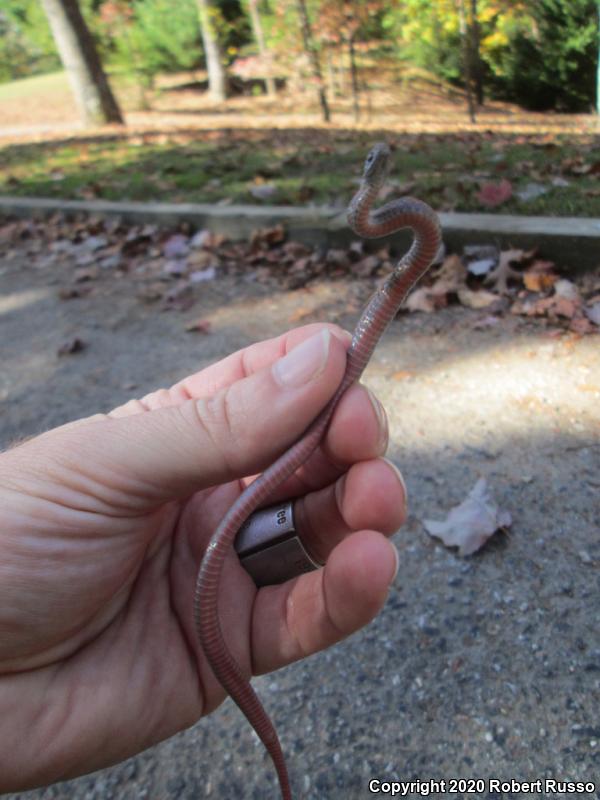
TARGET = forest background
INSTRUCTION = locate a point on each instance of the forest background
(539, 54)
(492, 103)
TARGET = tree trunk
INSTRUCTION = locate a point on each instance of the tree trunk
(217, 80)
(475, 53)
(467, 65)
(354, 75)
(79, 56)
(598, 66)
(330, 72)
(257, 30)
(311, 51)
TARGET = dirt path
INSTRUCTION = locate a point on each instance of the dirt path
(477, 668)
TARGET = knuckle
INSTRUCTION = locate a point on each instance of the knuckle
(217, 420)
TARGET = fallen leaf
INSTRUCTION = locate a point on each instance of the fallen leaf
(75, 345)
(263, 191)
(450, 276)
(593, 313)
(564, 306)
(567, 289)
(421, 300)
(176, 247)
(201, 275)
(264, 238)
(179, 298)
(494, 194)
(199, 326)
(540, 276)
(73, 292)
(498, 278)
(581, 325)
(202, 238)
(469, 525)
(531, 191)
(175, 267)
(476, 299)
(336, 257)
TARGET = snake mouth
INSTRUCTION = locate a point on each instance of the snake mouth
(377, 162)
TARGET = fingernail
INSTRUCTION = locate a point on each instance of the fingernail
(304, 363)
(382, 422)
(400, 478)
(397, 557)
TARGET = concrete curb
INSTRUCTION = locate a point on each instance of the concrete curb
(573, 242)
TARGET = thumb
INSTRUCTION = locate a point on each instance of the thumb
(170, 452)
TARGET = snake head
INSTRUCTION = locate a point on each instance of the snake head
(376, 164)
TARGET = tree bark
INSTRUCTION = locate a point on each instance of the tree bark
(598, 66)
(217, 80)
(354, 75)
(476, 54)
(259, 35)
(93, 95)
(311, 51)
(467, 65)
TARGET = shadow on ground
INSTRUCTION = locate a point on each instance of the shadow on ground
(477, 668)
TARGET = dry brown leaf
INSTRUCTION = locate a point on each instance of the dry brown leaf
(74, 345)
(469, 525)
(450, 276)
(581, 325)
(498, 278)
(538, 281)
(179, 298)
(72, 292)
(421, 300)
(199, 326)
(494, 194)
(478, 299)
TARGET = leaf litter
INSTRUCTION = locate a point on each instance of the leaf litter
(170, 268)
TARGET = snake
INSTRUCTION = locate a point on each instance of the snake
(366, 222)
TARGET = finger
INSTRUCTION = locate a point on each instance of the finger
(234, 367)
(358, 432)
(316, 610)
(371, 495)
(173, 451)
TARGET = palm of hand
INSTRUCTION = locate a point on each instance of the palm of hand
(99, 553)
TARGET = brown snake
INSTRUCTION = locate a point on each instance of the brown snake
(405, 212)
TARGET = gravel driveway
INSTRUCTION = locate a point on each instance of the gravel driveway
(478, 668)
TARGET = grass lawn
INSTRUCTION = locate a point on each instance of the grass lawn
(51, 84)
(250, 152)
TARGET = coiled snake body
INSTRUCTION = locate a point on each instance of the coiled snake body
(381, 309)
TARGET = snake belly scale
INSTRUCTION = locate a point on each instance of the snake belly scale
(405, 212)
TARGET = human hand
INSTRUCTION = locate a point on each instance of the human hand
(103, 523)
